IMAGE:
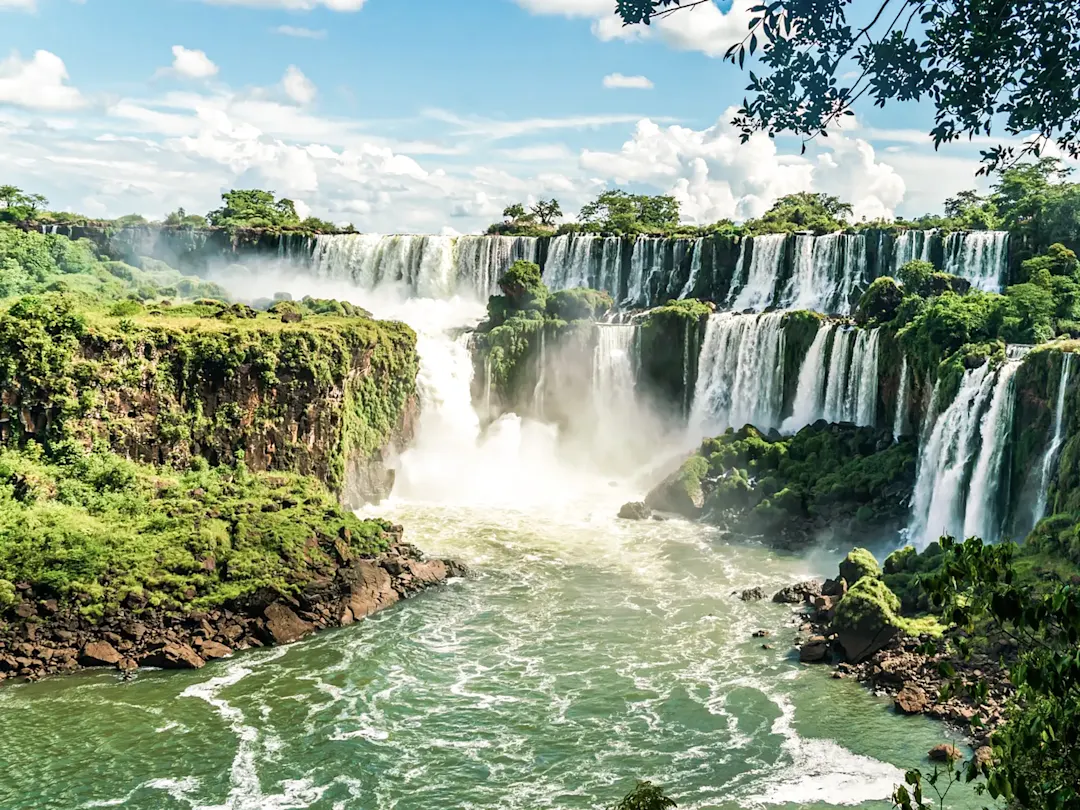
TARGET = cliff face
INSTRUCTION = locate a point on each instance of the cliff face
(329, 397)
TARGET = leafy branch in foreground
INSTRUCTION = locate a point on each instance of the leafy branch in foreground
(976, 61)
(1036, 754)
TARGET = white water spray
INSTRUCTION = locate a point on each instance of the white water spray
(1046, 468)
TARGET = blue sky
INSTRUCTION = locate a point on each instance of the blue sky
(416, 116)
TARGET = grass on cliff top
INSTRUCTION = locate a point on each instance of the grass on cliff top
(90, 528)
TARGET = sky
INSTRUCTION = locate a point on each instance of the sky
(420, 115)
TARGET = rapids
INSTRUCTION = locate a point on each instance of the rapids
(585, 653)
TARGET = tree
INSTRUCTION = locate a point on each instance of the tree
(182, 219)
(1036, 753)
(973, 59)
(618, 211)
(645, 796)
(252, 208)
(547, 211)
(821, 213)
(18, 206)
(515, 212)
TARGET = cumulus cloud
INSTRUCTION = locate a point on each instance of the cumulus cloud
(37, 83)
(702, 27)
(18, 5)
(714, 176)
(297, 86)
(192, 64)
(615, 81)
(300, 32)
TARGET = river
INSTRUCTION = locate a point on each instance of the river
(584, 653)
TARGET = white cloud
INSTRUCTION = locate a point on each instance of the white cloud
(617, 81)
(714, 176)
(703, 27)
(295, 5)
(499, 130)
(539, 152)
(297, 86)
(18, 5)
(38, 83)
(192, 64)
(300, 32)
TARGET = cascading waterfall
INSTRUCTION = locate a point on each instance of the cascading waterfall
(479, 261)
(828, 270)
(982, 257)
(740, 373)
(851, 387)
(757, 283)
(900, 420)
(569, 261)
(614, 372)
(541, 376)
(1046, 468)
(695, 268)
(982, 512)
(810, 391)
(911, 246)
(960, 475)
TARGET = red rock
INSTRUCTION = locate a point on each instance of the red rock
(945, 753)
(211, 650)
(911, 700)
(284, 626)
(99, 654)
(173, 656)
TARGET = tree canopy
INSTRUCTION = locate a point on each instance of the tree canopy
(17, 205)
(618, 211)
(252, 208)
(983, 65)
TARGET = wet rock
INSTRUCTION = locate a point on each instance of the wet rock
(762, 634)
(945, 753)
(636, 510)
(814, 650)
(99, 654)
(912, 699)
(798, 593)
(834, 587)
(284, 626)
(173, 656)
(752, 594)
(211, 650)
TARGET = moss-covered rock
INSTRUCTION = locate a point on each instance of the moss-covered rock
(681, 493)
(859, 563)
(578, 304)
(866, 619)
(880, 303)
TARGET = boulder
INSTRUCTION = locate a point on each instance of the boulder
(834, 587)
(681, 492)
(212, 649)
(945, 753)
(99, 654)
(984, 756)
(814, 650)
(752, 594)
(911, 699)
(798, 593)
(635, 510)
(173, 656)
(858, 564)
(867, 619)
(370, 589)
(825, 605)
(284, 626)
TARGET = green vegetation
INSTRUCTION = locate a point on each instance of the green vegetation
(977, 69)
(619, 212)
(859, 563)
(539, 220)
(851, 481)
(89, 528)
(805, 211)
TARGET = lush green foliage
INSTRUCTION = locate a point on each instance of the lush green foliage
(252, 208)
(90, 528)
(645, 796)
(539, 220)
(620, 212)
(17, 205)
(805, 211)
(579, 304)
(977, 68)
(981, 590)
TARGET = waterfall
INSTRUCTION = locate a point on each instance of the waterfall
(569, 261)
(951, 495)
(982, 257)
(613, 366)
(910, 246)
(541, 376)
(758, 281)
(1046, 468)
(852, 383)
(810, 392)
(424, 266)
(610, 275)
(981, 516)
(828, 270)
(695, 268)
(900, 420)
(639, 263)
(479, 261)
(740, 373)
